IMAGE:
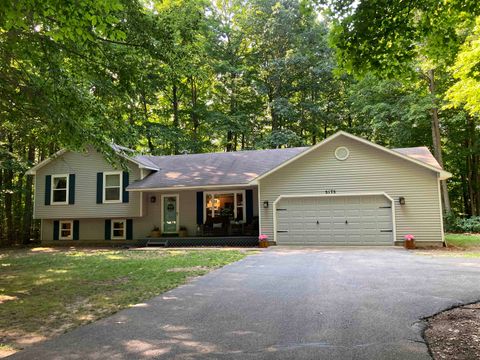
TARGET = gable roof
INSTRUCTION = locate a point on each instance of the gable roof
(211, 169)
(408, 154)
(420, 153)
(33, 170)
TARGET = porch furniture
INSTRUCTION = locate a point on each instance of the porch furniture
(217, 226)
(251, 229)
(237, 228)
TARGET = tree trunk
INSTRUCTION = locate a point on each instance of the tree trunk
(176, 121)
(2, 217)
(436, 138)
(193, 112)
(273, 113)
(27, 213)
(151, 147)
(8, 181)
(229, 146)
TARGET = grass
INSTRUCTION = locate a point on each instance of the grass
(44, 292)
(463, 240)
(468, 243)
(459, 245)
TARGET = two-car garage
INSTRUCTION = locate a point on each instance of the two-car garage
(341, 219)
(346, 190)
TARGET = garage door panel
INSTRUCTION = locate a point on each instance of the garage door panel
(337, 220)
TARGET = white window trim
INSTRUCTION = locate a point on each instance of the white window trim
(234, 192)
(119, 173)
(60, 237)
(112, 236)
(52, 189)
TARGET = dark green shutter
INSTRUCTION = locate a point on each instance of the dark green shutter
(76, 229)
(48, 189)
(249, 205)
(199, 207)
(108, 229)
(71, 189)
(129, 229)
(125, 184)
(56, 229)
(99, 188)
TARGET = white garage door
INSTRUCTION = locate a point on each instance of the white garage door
(335, 220)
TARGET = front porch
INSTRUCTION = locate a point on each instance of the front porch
(200, 217)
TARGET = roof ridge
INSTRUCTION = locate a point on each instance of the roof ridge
(222, 152)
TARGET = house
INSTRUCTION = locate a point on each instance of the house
(342, 191)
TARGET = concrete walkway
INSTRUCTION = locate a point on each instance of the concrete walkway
(285, 304)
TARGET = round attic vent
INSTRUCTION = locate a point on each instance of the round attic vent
(341, 153)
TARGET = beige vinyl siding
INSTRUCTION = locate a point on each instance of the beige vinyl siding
(187, 209)
(94, 229)
(85, 166)
(367, 169)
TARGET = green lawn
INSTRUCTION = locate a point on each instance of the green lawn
(44, 291)
(463, 240)
(459, 245)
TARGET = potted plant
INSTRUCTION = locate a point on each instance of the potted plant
(182, 231)
(155, 232)
(409, 241)
(263, 241)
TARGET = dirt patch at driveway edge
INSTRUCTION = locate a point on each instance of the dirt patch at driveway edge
(454, 333)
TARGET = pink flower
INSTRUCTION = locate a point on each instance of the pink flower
(409, 237)
(263, 237)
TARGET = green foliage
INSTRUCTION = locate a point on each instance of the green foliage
(462, 225)
(466, 71)
(187, 76)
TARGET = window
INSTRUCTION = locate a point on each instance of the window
(66, 230)
(118, 229)
(59, 189)
(112, 187)
(225, 204)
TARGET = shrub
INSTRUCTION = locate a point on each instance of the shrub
(459, 224)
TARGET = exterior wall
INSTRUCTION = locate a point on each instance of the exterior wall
(93, 229)
(85, 167)
(366, 170)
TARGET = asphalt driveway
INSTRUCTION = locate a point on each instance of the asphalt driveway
(285, 304)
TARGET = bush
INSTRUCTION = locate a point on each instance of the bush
(458, 224)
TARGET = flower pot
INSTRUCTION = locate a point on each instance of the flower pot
(155, 233)
(409, 244)
(263, 243)
(182, 233)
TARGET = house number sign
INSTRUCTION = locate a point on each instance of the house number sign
(330, 191)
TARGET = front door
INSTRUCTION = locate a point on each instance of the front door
(170, 213)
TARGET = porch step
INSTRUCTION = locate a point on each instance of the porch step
(157, 242)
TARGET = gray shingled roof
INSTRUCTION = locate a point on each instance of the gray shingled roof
(229, 168)
(420, 153)
(225, 168)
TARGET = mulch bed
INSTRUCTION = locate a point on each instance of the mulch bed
(455, 334)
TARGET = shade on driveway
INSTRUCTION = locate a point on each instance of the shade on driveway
(285, 304)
